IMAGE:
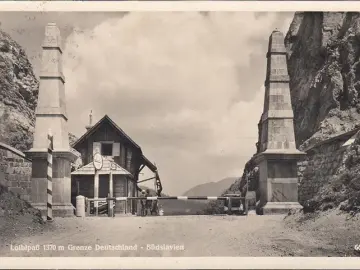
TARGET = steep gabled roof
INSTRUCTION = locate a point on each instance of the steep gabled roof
(95, 127)
(150, 165)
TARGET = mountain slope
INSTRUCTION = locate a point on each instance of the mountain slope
(211, 189)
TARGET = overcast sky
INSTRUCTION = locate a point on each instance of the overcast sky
(187, 87)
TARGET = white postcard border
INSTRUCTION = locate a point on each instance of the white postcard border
(269, 6)
(179, 262)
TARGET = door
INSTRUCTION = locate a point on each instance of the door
(103, 185)
(120, 191)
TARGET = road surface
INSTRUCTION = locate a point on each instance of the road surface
(184, 236)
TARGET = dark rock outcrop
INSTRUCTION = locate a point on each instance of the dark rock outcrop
(72, 139)
(19, 90)
(323, 63)
(18, 95)
(17, 217)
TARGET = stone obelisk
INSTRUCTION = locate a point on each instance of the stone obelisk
(51, 115)
(277, 155)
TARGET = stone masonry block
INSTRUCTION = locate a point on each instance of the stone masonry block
(24, 184)
(25, 197)
(12, 177)
(16, 190)
(14, 184)
(10, 170)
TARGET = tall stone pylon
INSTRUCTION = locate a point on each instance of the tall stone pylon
(277, 155)
(51, 115)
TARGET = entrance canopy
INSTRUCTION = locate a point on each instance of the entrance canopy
(109, 165)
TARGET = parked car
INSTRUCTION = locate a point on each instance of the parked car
(234, 205)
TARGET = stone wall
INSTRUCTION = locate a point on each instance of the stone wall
(322, 162)
(15, 172)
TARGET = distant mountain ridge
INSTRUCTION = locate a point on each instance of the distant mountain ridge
(212, 188)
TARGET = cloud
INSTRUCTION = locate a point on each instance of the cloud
(27, 28)
(186, 87)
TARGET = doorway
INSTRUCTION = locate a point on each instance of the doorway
(103, 185)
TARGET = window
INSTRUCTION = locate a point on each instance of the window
(106, 149)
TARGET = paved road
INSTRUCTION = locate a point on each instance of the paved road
(191, 235)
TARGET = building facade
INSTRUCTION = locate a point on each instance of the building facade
(123, 160)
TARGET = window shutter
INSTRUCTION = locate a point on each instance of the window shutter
(128, 187)
(96, 148)
(116, 149)
(123, 156)
(128, 159)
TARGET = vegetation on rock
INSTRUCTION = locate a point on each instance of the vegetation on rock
(343, 188)
(18, 95)
(323, 63)
(17, 216)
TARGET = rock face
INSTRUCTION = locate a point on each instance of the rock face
(323, 62)
(329, 176)
(18, 95)
(19, 90)
(18, 98)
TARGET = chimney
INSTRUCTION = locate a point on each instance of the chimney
(90, 121)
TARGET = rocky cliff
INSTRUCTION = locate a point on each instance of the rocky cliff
(19, 89)
(18, 98)
(18, 95)
(324, 68)
(323, 63)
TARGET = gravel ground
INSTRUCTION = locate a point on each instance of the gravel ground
(336, 231)
(296, 235)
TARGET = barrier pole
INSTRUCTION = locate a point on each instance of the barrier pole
(49, 176)
(96, 192)
(110, 195)
(88, 205)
